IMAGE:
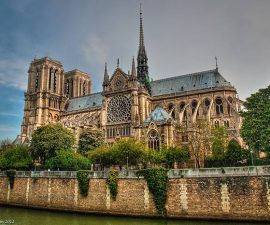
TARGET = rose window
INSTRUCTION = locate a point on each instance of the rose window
(119, 109)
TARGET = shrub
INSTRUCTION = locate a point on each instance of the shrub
(68, 160)
(112, 183)
(83, 181)
(156, 179)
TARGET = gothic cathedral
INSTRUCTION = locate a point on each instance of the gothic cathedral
(130, 105)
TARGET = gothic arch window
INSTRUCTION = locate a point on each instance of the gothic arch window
(216, 124)
(206, 105)
(182, 107)
(219, 106)
(50, 118)
(54, 81)
(226, 123)
(67, 87)
(71, 87)
(153, 139)
(229, 105)
(194, 106)
(50, 79)
(84, 88)
(119, 109)
(37, 80)
(172, 109)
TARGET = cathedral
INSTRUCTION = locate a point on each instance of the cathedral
(130, 104)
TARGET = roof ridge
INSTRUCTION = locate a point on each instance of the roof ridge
(86, 95)
(184, 75)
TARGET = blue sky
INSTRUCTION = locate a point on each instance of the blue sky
(181, 37)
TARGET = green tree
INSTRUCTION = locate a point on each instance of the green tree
(101, 155)
(16, 157)
(256, 121)
(5, 144)
(235, 155)
(67, 160)
(48, 140)
(89, 140)
(175, 154)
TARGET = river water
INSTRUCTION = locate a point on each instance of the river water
(21, 216)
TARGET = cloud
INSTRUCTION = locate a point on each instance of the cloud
(9, 114)
(13, 73)
(8, 128)
(95, 50)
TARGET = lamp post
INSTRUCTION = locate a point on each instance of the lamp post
(251, 153)
(127, 165)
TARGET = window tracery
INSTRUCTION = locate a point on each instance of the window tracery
(153, 140)
(119, 109)
(219, 106)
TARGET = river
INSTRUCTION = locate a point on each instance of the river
(22, 216)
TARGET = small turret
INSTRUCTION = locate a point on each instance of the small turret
(106, 79)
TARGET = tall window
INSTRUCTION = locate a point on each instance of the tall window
(172, 109)
(54, 81)
(206, 106)
(153, 140)
(216, 124)
(219, 106)
(194, 106)
(67, 87)
(182, 107)
(50, 79)
(84, 87)
(229, 105)
(37, 80)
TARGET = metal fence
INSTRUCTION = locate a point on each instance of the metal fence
(174, 173)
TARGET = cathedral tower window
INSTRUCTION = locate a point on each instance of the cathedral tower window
(219, 106)
(50, 79)
(67, 87)
(55, 81)
(37, 80)
(153, 140)
(84, 88)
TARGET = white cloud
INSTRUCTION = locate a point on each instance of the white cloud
(9, 114)
(95, 50)
(13, 73)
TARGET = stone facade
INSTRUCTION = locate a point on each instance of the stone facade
(226, 198)
(130, 104)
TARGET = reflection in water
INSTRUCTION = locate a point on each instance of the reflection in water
(22, 216)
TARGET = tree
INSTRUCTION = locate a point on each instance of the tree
(235, 155)
(101, 155)
(16, 157)
(67, 160)
(175, 154)
(5, 144)
(49, 139)
(89, 140)
(256, 121)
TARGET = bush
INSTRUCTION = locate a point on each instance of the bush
(156, 179)
(89, 140)
(68, 160)
(83, 181)
(112, 183)
(48, 140)
(176, 154)
(235, 155)
(16, 157)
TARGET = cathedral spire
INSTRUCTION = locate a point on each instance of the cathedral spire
(142, 66)
(106, 79)
(133, 69)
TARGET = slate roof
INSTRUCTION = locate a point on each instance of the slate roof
(189, 82)
(85, 102)
(159, 115)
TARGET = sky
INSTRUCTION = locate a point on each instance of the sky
(181, 36)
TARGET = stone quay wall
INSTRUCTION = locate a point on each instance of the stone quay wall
(220, 197)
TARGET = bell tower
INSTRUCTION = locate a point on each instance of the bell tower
(44, 98)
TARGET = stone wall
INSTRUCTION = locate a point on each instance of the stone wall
(231, 198)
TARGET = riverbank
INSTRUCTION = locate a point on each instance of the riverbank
(205, 196)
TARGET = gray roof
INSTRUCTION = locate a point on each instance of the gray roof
(189, 82)
(159, 115)
(85, 102)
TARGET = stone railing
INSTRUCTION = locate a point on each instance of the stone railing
(174, 173)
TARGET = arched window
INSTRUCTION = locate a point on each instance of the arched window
(206, 106)
(84, 87)
(182, 107)
(153, 140)
(50, 79)
(219, 106)
(216, 124)
(54, 81)
(67, 87)
(193, 106)
(37, 80)
(71, 88)
(172, 109)
(229, 105)
(226, 123)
